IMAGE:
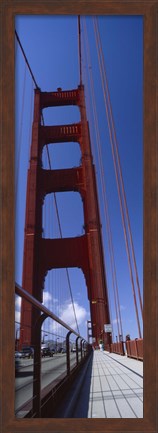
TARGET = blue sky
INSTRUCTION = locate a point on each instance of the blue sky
(51, 46)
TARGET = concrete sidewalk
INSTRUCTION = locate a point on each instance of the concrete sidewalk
(113, 388)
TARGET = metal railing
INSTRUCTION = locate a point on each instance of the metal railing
(118, 348)
(135, 348)
(71, 363)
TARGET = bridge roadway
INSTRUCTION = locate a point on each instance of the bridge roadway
(110, 387)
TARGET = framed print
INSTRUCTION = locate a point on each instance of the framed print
(11, 13)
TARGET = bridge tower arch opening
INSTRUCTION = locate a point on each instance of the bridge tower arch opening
(61, 114)
(70, 212)
(59, 284)
(85, 251)
(60, 153)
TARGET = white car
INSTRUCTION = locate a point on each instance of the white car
(18, 354)
(73, 349)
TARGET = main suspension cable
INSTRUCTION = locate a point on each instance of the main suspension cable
(26, 60)
(79, 48)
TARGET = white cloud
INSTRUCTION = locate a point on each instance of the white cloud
(55, 327)
(55, 300)
(114, 321)
(46, 296)
(17, 316)
(68, 314)
(49, 300)
(17, 303)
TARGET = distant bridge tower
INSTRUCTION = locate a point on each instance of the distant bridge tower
(85, 252)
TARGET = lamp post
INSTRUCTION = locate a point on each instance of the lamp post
(45, 335)
(16, 337)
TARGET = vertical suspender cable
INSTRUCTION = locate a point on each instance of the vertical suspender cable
(31, 116)
(117, 178)
(106, 212)
(104, 84)
(121, 178)
(20, 133)
(60, 231)
(89, 107)
(37, 87)
(99, 156)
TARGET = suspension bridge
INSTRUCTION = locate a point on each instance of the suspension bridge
(102, 363)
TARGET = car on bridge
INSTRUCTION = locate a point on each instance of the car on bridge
(47, 351)
(18, 354)
(62, 350)
(27, 352)
(73, 348)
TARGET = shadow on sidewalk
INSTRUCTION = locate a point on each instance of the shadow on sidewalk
(76, 401)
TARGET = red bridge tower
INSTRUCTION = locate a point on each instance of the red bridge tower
(85, 252)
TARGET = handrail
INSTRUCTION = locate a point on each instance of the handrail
(37, 400)
(23, 293)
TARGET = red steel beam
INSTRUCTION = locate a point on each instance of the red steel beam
(62, 180)
(60, 133)
(59, 98)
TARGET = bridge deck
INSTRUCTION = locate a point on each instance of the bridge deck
(111, 388)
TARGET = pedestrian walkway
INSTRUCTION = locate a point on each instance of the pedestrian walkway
(112, 388)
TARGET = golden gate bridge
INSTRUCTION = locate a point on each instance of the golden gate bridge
(48, 251)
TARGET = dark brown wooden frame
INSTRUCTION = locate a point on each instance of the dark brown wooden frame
(149, 9)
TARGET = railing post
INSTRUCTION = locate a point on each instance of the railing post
(68, 352)
(37, 367)
(123, 350)
(136, 346)
(81, 347)
(84, 348)
(77, 350)
(88, 348)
